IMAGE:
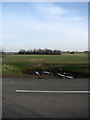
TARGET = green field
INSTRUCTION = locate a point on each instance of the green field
(16, 65)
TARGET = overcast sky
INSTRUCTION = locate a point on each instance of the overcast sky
(53, 25)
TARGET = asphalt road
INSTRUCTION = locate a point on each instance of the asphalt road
(44, 105)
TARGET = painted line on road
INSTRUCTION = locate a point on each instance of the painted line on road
(37, 91)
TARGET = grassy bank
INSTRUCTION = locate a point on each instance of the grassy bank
(17, 65)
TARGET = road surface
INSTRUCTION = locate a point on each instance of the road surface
(44, 105)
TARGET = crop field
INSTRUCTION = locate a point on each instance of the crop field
(26, 65)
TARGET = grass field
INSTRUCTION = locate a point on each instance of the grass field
(16, 65)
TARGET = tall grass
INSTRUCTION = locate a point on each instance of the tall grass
(15, 64)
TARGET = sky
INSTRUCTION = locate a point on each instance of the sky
(53, 25)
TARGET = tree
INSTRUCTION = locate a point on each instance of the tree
(22, 51)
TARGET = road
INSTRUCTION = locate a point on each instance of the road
(44, 105)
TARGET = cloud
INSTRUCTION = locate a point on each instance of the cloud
(49, 9)
(52, 12)
(65, 19)
(37, 34)
(49, 26)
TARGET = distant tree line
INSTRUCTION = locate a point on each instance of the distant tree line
(86, 51)
(40, 52)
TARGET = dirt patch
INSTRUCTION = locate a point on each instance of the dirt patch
(52, 73)
(37, 59)
(57, 72)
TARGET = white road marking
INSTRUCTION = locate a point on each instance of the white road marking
(38, 91)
